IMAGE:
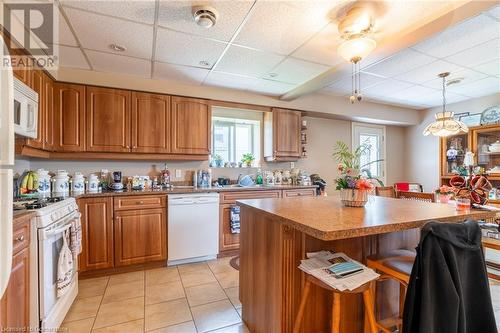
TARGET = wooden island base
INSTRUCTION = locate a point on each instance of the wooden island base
(272, 245)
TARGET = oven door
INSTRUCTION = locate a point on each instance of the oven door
(50, 240)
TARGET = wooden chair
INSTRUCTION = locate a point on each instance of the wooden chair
(365, 290)
(385, 191)
(419, 196)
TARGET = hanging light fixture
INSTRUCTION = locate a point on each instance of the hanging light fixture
(354, 28)
(445, 125)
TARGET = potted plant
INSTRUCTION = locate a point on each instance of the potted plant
(354, 186)
(219, 163)
(248, 159)
(444, 193)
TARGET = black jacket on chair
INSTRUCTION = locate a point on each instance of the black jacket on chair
(448, 290)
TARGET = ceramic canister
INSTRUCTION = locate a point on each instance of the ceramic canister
(61, 184)
(93, 183)
(43, 181)
(78, 182)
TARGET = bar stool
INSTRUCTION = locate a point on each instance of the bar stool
(367, 300)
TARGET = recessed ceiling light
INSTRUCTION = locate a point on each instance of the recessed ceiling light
(204, 63)
(205, 16)
(272, 74)
(117, 48)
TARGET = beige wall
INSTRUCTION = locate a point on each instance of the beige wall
(422, 152)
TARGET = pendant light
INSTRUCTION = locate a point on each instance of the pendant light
(445, 125)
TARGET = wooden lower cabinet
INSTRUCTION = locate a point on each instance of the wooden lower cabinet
(227, 240)
(140, 236)
(97, 233)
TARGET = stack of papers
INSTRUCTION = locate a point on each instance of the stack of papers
(322, 264)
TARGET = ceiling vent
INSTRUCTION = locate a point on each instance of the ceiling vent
(205, 16)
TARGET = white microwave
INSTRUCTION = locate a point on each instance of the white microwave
(25, 110)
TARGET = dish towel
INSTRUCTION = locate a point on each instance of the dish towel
(65, 266)
(76, 236)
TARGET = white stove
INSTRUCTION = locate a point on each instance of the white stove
(54, 216)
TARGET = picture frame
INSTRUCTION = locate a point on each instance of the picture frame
(471, 119)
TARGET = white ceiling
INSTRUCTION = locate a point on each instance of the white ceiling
(271, 47)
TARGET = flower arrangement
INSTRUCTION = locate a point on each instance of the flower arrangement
(248, 159)
(445, 190)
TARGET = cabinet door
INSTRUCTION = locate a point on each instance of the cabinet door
(140, 236)
(20, 65)
(97, 233)
(150, 123)
(49, 119)
(191, 126)
(14, 306)
(37, 85)
(108, 120)
(286, 133)
(227, 240)
(69, 113)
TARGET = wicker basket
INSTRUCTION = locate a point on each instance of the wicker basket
(353, 198)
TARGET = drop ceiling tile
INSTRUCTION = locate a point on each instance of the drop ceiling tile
(490, 68)
(113, 63)
(72, 57)
(399, 63)
(182, 49)
(322, 48)
(343, 86)
(428, 72)
(139, 11)
(230, 81)
(297, 71)
(178, 15)
(65, 37)
(418, 94)
(282, 26)
(495, 12)
(463, 35)
(487, 86)
(466, 75)
(386, 88)
(249, 62)
(477, 54)
(97, 32)
(270, 87)
(181, 74)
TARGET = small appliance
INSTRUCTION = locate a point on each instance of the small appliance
(25, 110)
(116, 184)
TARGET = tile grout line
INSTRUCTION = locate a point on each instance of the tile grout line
(187, 301)
(100, 304)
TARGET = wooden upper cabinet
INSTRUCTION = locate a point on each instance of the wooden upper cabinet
(191, 126)
(97, 233)
(108, 120)
(282, 135)
(49, 119)
(20, 66)
(150, 123)
(69, 115)
(38, 86)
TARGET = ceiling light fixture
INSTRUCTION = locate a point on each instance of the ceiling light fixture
(117, 48)
(445, 125)
(205, 16)
(354, 28)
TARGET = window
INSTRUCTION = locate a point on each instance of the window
(374, 136)
(235, 133)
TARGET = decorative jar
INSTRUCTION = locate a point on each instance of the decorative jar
(352, 197)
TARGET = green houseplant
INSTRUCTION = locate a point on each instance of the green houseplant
(248, 159)
(355, 180)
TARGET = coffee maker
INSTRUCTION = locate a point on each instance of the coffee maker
(116, 184)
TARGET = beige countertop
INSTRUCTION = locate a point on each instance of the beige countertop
(186, 190)
(326, 218)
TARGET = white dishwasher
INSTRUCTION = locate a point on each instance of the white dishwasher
(193, 227)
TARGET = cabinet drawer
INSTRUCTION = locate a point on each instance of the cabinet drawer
(21, 235)
(231, 197)
(301, 192)
(140, 202)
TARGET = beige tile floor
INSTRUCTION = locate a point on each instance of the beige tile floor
(191, 298)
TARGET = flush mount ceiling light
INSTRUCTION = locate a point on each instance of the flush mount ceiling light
(117, 48)
(445, 125)
(355, 27)
(205, 16)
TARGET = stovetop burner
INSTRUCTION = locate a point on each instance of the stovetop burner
(35, 203)
(54, 199)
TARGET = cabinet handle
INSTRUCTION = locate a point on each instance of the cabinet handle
(128, 147)
(139, 202)
(20, 238)
(134, 147)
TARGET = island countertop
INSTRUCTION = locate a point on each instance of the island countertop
(325, 218)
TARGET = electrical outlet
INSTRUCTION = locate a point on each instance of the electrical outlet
(178, 173)
(292, 165)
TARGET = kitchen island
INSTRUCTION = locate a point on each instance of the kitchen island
(277, 233)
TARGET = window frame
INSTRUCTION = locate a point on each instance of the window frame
(379, 130)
